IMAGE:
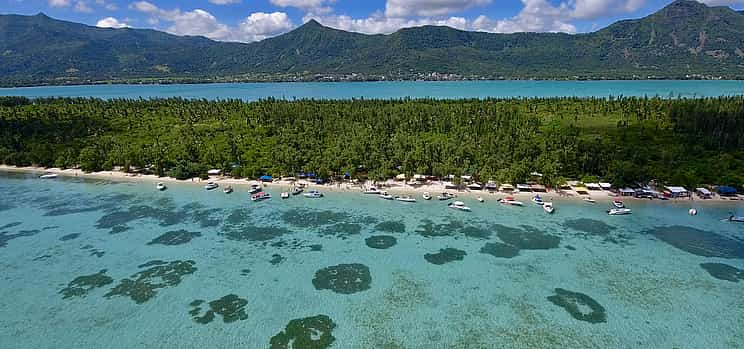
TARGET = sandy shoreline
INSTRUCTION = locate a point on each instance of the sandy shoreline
(391, 186)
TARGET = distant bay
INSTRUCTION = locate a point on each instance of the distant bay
(396, 89)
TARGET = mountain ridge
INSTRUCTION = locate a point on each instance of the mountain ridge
(685, 39)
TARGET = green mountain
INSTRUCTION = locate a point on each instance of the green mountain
(684, 39)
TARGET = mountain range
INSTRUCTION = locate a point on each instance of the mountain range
(685, 39)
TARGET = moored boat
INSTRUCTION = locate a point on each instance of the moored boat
(538, 200)
(385, 195)
(619, 211)
(48, 176)
(371, 191)
(459, 205)
(445, 196)
(228, 190)
(405, 199)
(509, 200)
(285, 195)
(480, 199)
(548, 207)
(260, 196)
(161, 186)
(427, 196)
(255, 189)
(589, 200)
(297, 191)
(314, 194)
(211, 186)
(736, 219)
(618, 203)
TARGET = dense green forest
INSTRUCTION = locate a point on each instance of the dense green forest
(623, 140)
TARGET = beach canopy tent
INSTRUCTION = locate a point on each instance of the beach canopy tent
(627, 192)
(523, 187)
(677, 191)
(581, 190)
(214, 172)
(538, 188)
(506, 187)
(605, 186)
(704, 193)
(593, 186)
(401, 177)
(419, 177)
(266, 178)
(727, 191)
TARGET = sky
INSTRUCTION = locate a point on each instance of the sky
(254, 20)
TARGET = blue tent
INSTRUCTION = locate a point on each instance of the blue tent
(266, 178)
(726, 190)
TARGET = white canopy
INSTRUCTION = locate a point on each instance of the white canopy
(214, 172)
(703, 191)
(677, 190)
(605, 185)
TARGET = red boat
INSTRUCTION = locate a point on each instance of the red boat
(260, 196)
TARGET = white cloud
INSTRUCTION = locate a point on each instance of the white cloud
(59, 3)
(82, 6)
(302, 4)
(722, 2)
(256, 26)
(591, 9)
(536, 16)
(107, 5)
(429, 8)
(224, 2)
(111, 22)
(380, 24)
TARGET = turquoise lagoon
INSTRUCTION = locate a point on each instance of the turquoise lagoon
(397, 89)
(632, 282)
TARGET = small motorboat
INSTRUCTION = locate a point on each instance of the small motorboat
(48, 176)
(548, 207)
(211, 186)
(285, 195)
(619, 211)
(509, 200)
(618, 203)
(427, 196)
(260, 196)
(255, 189)
(480, 199)
(297, 191)
(314, 194)
(371, 191)
(161, 186)
(384, 195)
(736, 219)
(589, 200)
(405, 199)
(538, 200)
(445, 196)
(228, 190)
(459, 205)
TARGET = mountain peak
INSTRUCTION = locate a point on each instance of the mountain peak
(312, 23)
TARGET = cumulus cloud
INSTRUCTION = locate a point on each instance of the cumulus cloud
(429, 8)
(722, 2)
(111, 22)
(381, 24)
(59, 3)
(257, 26)
(535, 16)
(82, 6)
(301, 4)
(224, 2)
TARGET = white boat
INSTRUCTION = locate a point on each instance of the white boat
(297, 191)
(48, 176)
(590, 200)
(445, 196)
(313, 194)
(619, 211)
(736, 219)
(509, 200)
(260, 196)
(548, 207)
(161, 187)
(427, 196)
(618, 203)
(227, 190)
(538, 200)
(405, 199)
(459, 205)
(384, 195)
(255, 188)
(211, 186)
(371, 191)
(285, 195)
(480, 199)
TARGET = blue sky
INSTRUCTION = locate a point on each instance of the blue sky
(252, 20)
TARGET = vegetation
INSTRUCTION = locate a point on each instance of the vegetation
(686, 39)
(622, 140)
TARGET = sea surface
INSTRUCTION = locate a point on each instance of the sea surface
(98, 264)
(396, 89)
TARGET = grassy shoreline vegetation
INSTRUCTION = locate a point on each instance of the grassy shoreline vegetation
(687, 142)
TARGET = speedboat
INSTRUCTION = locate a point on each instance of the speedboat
(618, 203)
(480, 199)
(509, 200)
(211, 186)
(459, 205)
(371, 191)
(48, 176)
(538, 200)
(161, 186)
(427, 196)
(619, 211)
(589, 200)
(737, 219)
(285, 195)
(255, 189)
(445, 196)
(386, 196)
(260, 196)
(313, 194)
(297, 191)
(548, 207)
(228, 190)
(405, 199)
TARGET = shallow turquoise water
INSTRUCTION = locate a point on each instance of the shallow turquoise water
(655, 295)
(396, 89)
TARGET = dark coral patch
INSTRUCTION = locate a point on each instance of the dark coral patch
(118, 229)
(176, 237)
(500, 250)
(476, 232)
(580, 306)
(81, 285)
(313, 218)
(253, 233)
(381, 241)
(528, 238)
(724, 271)
(309, 333)
(10, 225)
(589, 226)
(700, 242)
(342, 230)
(143, 285)
(445, 255)
(430, 229)
(391, 227)
(5, 236)
(69, 237)
(343, 278)
(230, 307)
(277, 259)
(316, 247)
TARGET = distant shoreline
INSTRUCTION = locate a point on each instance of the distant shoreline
(602, 197)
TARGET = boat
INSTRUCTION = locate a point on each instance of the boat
(228, 190)
(480, 199)
(386, 196)
(405, 199)
(590, 200)
(297, 191)
(161, 186)
(459, 205)
(509, 200)
(313, 194)
(445, 196)
(427, 196)
(618, 203)
(285, 195)
(48, 176)
(371, 191)
(211, 186)
(548, 207)
(736, 219)
(538, 200)
(255, 189)
(619, 211)
(260, 196)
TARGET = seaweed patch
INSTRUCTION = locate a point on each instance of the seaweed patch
(527, 238)
(176, 237)
(69, 237)
(343, 278)
(308, 333)
(143, 285)
(724, 271)
(589, 226)
(700, 242)
(81, 285)
(500, 250)
(391, 227)
(277, 259)
(304, 218)
(445, 255)
(580, 306)
(342, 230)
(381, 241)
(11, 225)
(5, 236)
(230, 307)
(253, 233)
